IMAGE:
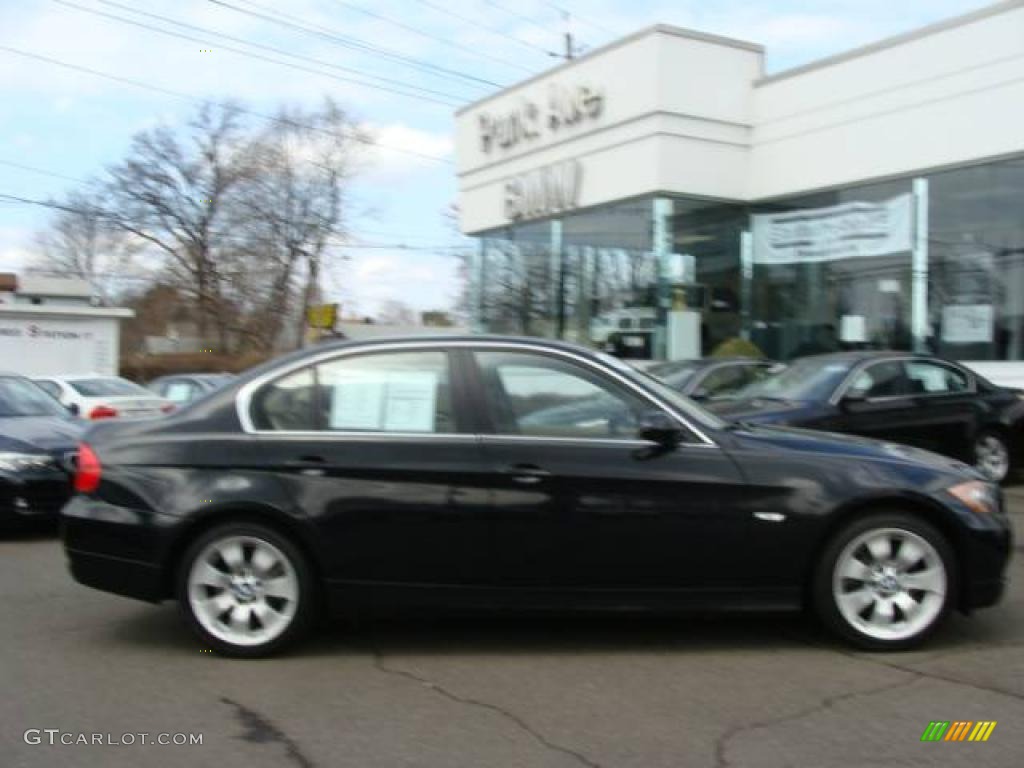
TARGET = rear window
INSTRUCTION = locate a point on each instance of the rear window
(108, 388)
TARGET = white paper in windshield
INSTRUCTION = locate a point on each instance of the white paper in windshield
(393, 401)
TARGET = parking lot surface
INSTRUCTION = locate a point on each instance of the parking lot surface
(617, 692)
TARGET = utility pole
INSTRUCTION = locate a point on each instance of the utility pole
(570, 47)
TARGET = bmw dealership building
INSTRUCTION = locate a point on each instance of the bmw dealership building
(662, 195)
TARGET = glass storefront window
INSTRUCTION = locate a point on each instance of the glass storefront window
(976, 262)
(806, 301)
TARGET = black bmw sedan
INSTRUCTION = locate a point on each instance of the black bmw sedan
(454, 473)
(38, 437)
(912, 399)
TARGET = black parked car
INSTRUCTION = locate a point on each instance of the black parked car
(913, 399)
(453, 472)
(38, 439)
(711, 377)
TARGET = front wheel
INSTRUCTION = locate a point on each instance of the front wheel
(992, 456)
(885, 582)
(246, 590)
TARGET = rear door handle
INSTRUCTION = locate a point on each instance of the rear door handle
(527, 474)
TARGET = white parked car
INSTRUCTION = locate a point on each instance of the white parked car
(94, 396)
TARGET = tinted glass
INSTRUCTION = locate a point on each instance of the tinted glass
(809, 379)
(20, 397)
(542, 396)
(51, 388)
(934, 378)
(112, 387)
(387, 392)
(285, 404)
(179, 390)
(879, 380)
(721, 380)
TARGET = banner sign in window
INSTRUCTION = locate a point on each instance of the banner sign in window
(389, 401)
(967, 323)
(850, 230)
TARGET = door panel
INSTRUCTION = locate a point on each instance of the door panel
(580, 502)
(885, 410)
(947, 408)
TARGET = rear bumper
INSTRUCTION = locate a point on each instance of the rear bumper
(36, 498)
(117, 549)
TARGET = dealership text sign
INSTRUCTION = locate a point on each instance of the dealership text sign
(543, 191)
(825, 234)
(529, 119)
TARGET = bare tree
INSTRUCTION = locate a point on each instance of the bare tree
(81, 242)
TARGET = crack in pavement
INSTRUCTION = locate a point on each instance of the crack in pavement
(722, 743)
(379, 663)
(260, 730)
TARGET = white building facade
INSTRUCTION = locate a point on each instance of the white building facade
(660, 196)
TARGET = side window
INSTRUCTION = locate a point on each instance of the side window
(722, 380)
(933, 378)
(541, 396)
(286, 403)
(879, 380)
(387, 392)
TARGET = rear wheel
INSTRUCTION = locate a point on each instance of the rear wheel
(992, 455)
(885, 582)
(246, 590)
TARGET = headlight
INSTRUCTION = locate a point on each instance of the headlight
(978, 496)
(19, 462)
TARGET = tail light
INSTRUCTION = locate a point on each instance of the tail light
(167, 407)
(87, 470)
(103, 412)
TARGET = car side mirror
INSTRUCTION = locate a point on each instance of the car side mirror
(660, 428)
(72, 408)
(699, 394)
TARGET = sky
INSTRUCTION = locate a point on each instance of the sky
(401, 67)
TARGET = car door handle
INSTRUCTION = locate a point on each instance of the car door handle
(527, 474)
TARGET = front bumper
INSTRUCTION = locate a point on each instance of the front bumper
(34, 497)
(985, 552)
(117, 549)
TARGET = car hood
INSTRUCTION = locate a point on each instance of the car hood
(842, 446)
(763, 410)
(47, 434)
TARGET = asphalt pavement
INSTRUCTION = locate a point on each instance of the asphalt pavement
(615, 692)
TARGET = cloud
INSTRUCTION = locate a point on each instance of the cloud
(420, 279)
(399, 147)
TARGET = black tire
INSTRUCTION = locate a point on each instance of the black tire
(826, 602)
(303, 613)
(989, 439)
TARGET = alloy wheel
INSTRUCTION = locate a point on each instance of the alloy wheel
(243, 590)
(889, 584)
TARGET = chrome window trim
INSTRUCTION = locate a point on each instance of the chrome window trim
(844, 385)
(244, 397)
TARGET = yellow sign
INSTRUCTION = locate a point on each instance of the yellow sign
(322, 316)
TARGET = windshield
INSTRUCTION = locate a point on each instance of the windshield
(19, 397)
(681, 403)
(809, 379)
(675, 374)
(108, 387)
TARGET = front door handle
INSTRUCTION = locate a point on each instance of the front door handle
(527, 474)
(308, 465)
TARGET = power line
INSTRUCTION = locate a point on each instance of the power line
(350, 42)
(99, 211)
(431, 36)
(42, 171)
(201, 101)
(517, 15)
(484, 27)
(259, 57)
(321, 62)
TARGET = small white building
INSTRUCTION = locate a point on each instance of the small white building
(53, 326)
